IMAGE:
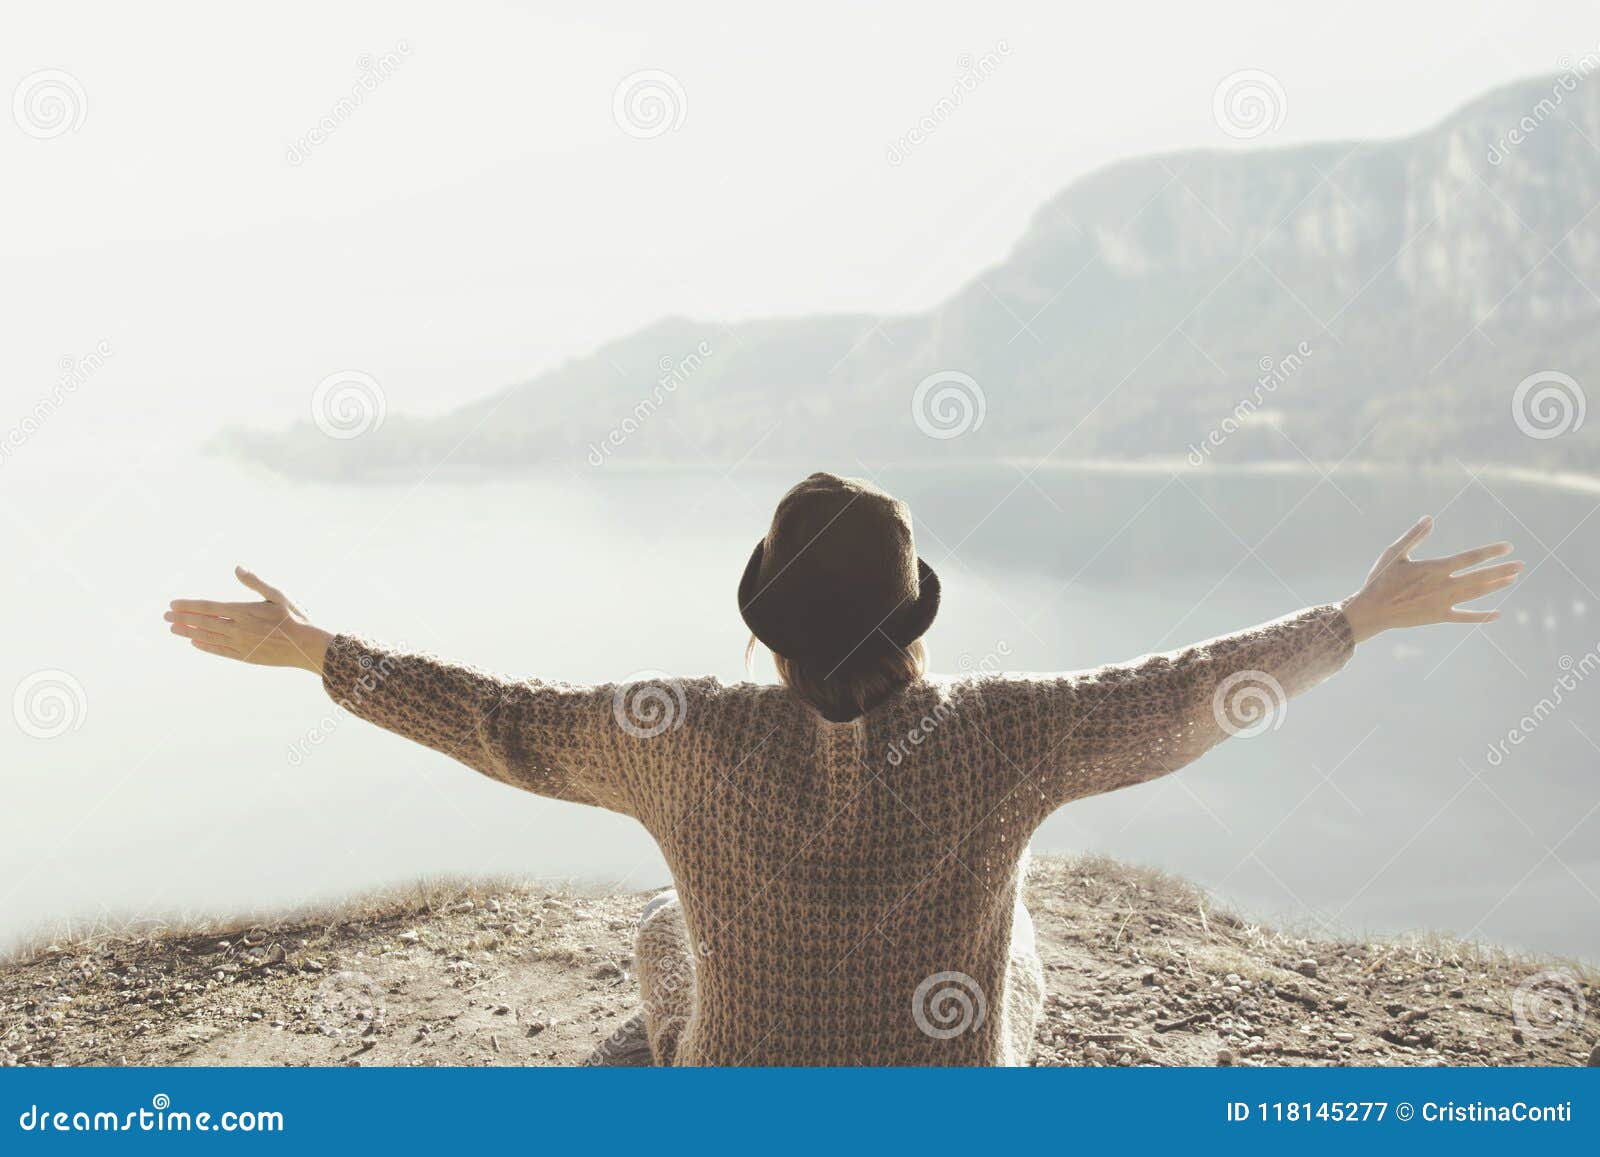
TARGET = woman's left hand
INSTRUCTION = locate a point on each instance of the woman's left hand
(273, 632)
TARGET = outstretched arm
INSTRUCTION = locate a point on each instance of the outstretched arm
(553, 739)
(1083, 734)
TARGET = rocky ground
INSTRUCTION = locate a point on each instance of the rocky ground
(1141, 970)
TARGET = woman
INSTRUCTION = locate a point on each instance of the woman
(848, 846)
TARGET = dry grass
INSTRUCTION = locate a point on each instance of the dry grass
(1102, 877)
(378, 907)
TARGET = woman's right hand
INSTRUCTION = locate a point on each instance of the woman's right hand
(273, 632)
(1402, 592)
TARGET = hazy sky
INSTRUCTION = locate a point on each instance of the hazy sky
(481, 213)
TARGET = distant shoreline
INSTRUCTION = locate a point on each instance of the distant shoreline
(1568, 481)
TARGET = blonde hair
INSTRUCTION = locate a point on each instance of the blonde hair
(855, 686)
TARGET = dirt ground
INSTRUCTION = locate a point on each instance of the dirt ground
(1141, 969)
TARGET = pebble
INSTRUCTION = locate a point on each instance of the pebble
(1594, 1058)
(1224, 1056)
(1306, 967)
(1344, 1037)
(411, 937)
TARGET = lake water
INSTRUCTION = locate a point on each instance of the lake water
(1380, 805)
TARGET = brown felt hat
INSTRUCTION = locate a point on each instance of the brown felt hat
(837, 579)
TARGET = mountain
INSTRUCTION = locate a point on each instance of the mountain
(1413, 300)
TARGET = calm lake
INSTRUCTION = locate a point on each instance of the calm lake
(1391, 798)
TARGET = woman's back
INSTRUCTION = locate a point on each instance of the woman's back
(829, 870)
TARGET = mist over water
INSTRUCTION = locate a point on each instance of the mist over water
(1390, 798)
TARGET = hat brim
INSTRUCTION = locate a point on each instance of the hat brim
(798, 640)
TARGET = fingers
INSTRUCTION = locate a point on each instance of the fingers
(207, 607)
(1476, 584)
(1472, 594)
(215, 649)
(189, 631)
(1470, 558)
(1403, 545)
(1471, 616)
(1498, 576)
(194, 619)
(263, 588)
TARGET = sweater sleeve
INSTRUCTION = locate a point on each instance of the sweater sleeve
(1069, 736)
(553, 739)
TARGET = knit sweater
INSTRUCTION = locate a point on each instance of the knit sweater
(849, 888)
